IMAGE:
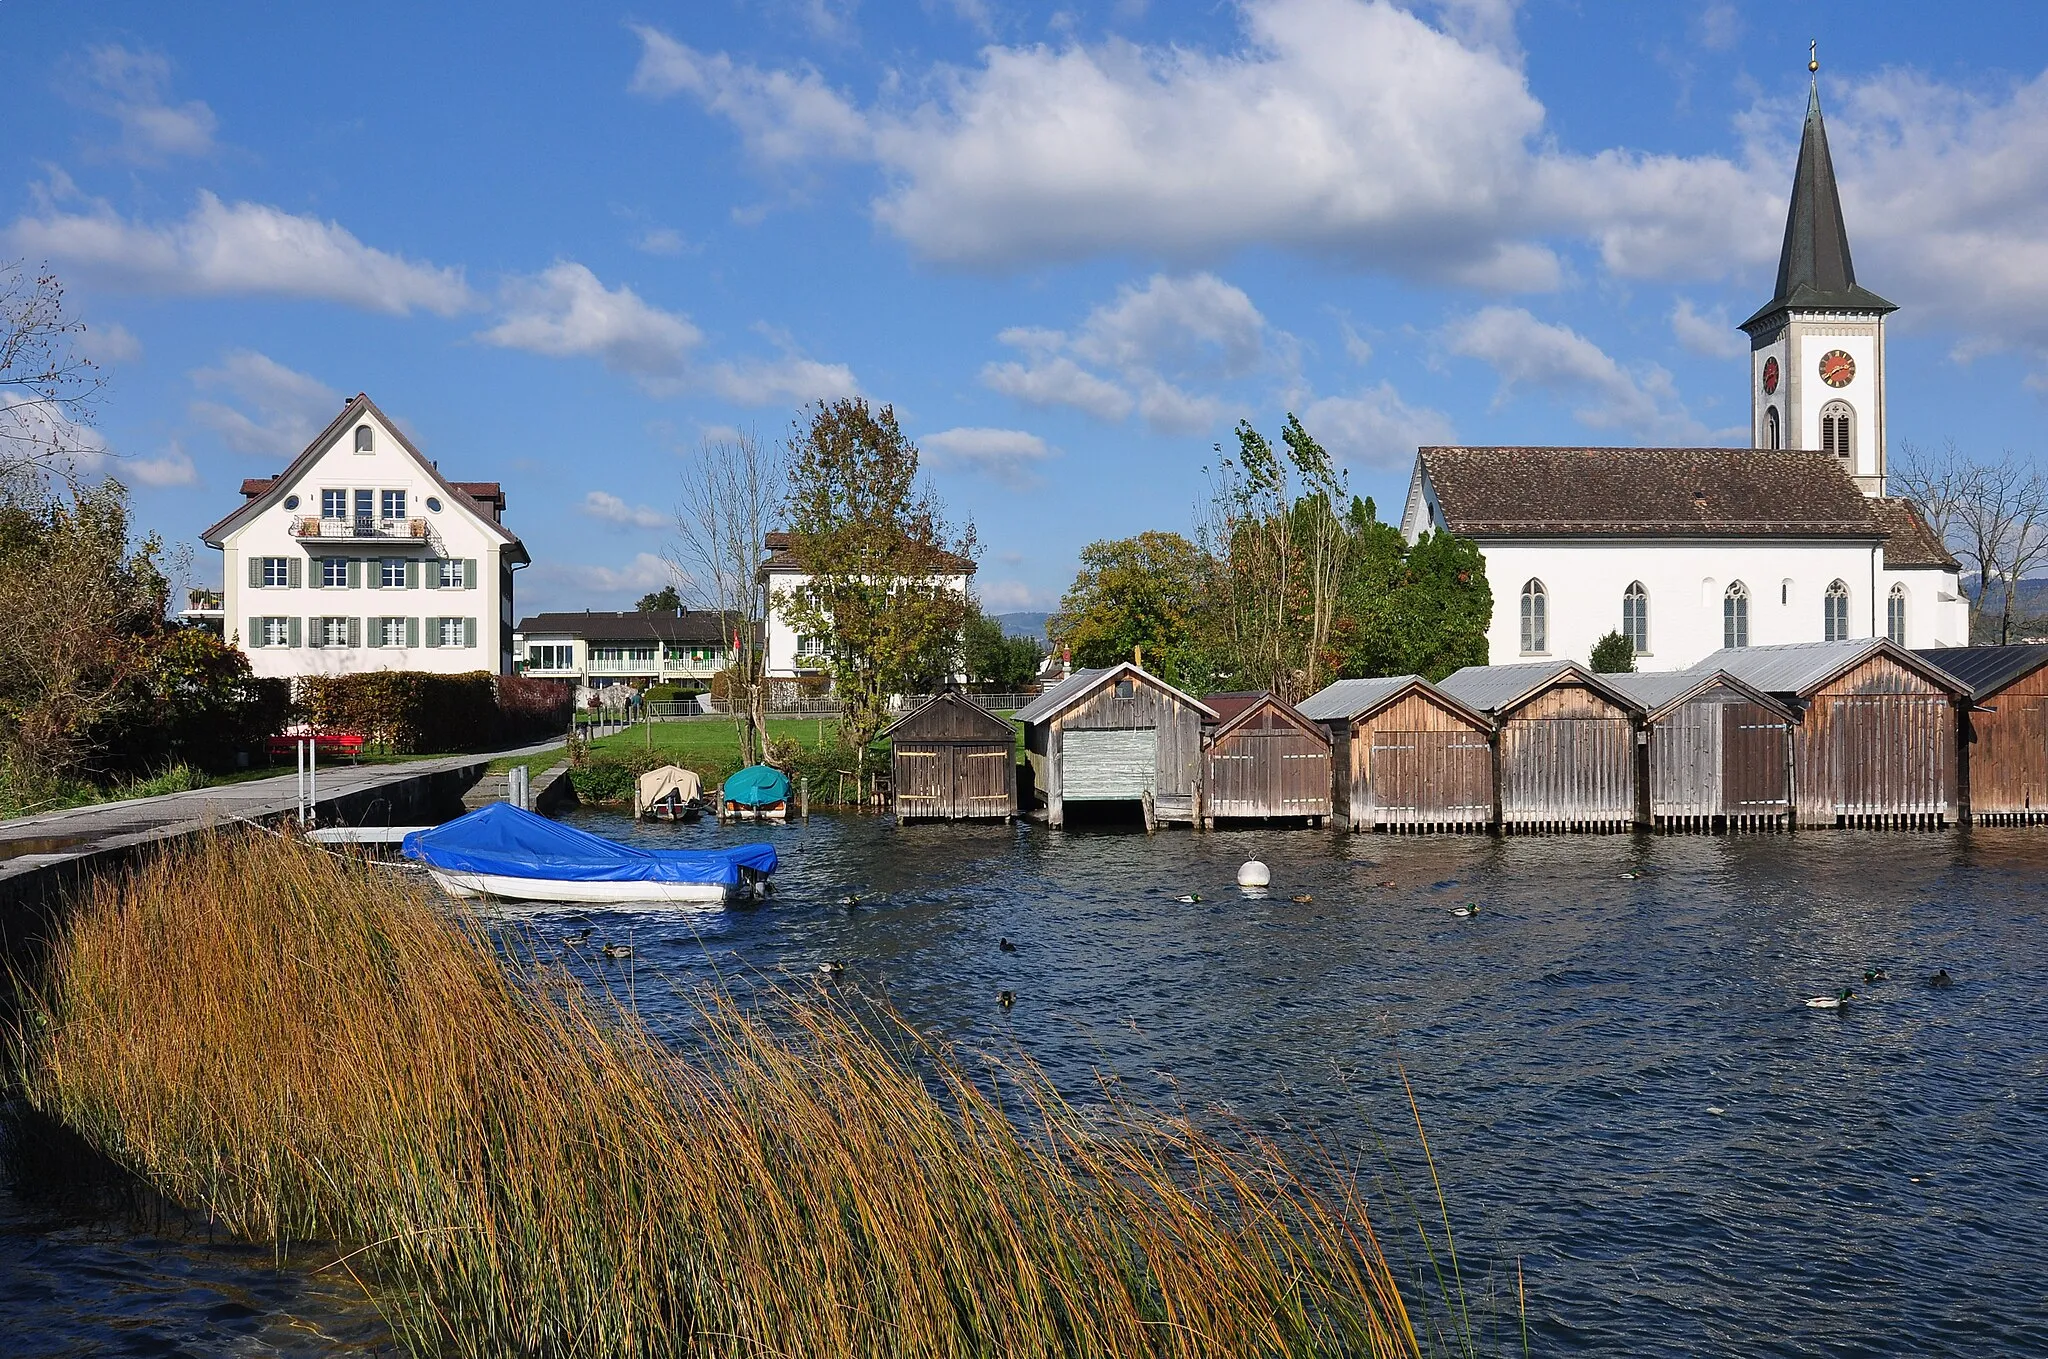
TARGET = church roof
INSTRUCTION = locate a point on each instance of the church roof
(1646, 493)
(1814, 268)
(1908, 540)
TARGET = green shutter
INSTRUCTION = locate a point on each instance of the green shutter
(292, 631)
(256, 572)
(373, 573)
(434, 574)
(433, 632)
(376, 637)
(293, 568)
(315, 634)
(412, 632)
(355, 572)
(412, 573)
(254, 635)
(355, 632)
(469, 573)
(469, 632)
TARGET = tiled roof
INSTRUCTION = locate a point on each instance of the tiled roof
(1227, 706)
(1908, 540)
(781, 558)
(692, 625)
(1987, 669)
(1647, 493)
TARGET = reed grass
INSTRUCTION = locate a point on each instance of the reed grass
(311, 1048)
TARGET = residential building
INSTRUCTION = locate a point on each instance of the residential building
(791, 655)
(360, 556)
(598, 650)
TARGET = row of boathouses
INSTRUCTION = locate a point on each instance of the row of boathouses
(1856, 733)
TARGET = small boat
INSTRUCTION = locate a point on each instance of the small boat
(669, 793)
(503, 852)
(757, 793)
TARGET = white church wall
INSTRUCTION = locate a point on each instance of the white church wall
(1686, 583)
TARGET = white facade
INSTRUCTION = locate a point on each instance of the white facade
(1789, 361)
(788, 655)
(361, 557)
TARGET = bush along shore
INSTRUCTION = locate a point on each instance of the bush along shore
(311, 1049)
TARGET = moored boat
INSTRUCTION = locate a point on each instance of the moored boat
(669, 793)
(757, 793)
(503, 852)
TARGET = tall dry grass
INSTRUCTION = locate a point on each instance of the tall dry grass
(307, 1047)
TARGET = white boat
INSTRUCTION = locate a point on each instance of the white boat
(507, 854)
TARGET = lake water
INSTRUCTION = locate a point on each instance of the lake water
(1622, 1084)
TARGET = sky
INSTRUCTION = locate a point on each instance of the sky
(1072, 245)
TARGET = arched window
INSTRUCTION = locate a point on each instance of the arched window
(1735, 615)
(364, 439)
(1838, 431)
(1535, 619)
(1635, 617)
(1895, 615)
(1834, 617)
(1772, 439)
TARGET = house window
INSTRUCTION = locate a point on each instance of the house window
(1635, 617)
(334, 504)
(1125, 688)
(366, 505)
(391, 632)
(334, 631)
(1735, 615)
(450, 631)
(394, 505)
(366, 441)
(1835, 613)
(553, 656)
(391, 573)
(810, 646)
(451, 574)
(1837, 432)
(1772, 438)
(274, 631)
(333, 572)
(277, 572)
(1535, 619)
(1895, 615)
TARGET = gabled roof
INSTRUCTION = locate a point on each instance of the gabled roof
(691, 625)
(1354, 700)
(358, 406)
(998, 728)
(1081, 683)
(1908, 541)
(1661, 692)
(1646, 493)
(1800, 668)
(1814, 268)
(782, 559)
(1235, 710)
(1499, 689)
(1987, 669)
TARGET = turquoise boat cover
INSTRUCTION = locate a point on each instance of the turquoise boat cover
(502, 839)
(757, 785)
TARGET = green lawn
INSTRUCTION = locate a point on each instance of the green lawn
(706, 743)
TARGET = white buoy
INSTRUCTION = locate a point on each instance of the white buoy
(1252, 873)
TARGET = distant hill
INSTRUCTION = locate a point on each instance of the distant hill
(1030, 625)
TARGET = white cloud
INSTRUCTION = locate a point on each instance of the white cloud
(132, 88)
(173, 468)
(237, 249)
(1010, 456)
(791, 379)
(1010, 595)
(565, 311)
(1712, 334)
(1375, 428)
(660, 241)
(1527, 352)
(289, 407)
(110, 342)
(1045, 382)
(781, 116)
(610, 508)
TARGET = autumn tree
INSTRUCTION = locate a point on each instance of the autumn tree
(877, 562)
(1139, 594)
(731, 494)
(47, 387)
(991, 656)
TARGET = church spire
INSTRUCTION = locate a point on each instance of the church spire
(1814, 268)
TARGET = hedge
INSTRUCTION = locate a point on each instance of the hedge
(410, 711)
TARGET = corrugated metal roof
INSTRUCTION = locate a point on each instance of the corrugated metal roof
(1987, 669)
(1795, 667)
(1350, 697)
(1655, 688)
(1055, 698)
(1485, 687)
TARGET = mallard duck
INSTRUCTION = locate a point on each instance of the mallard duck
(1631, 875)
(831, 969)
(850, 902)
(1872, 975)
(1941, 978)
(1302, 899)
(578, 939)
(618, 950)
(1007, 947)
(1465, 912)
(1831, 1002)
(1188, 898)
(1006, 998)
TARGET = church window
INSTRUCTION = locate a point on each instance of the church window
(1837, 432)
(364, 439)
(1735, 615)
(1772, 439)
(1835, 613)
(1895, 615)
(1535, 620)
(1635, 617)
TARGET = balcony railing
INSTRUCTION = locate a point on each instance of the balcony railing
(360, 530)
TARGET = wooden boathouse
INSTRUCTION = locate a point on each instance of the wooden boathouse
(1405, 756)
(1720, 751)
(952, 760)
(1876, 743)
(2003, 749)
(1263, 761)
(1565, 752)
(1116, 735)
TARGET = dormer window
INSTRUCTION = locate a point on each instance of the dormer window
(366, 439)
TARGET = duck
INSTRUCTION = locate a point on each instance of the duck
(1188, 898)
(1006, 998)
(1831, 1002)
(618, 950)
(1465, 912)
(831, 969)
(1007, 947)
(1873, 975)
(1632, 875)
(578, 939)
(1941, 978)
(1302, 899)
(1388, 885)
(850, 902)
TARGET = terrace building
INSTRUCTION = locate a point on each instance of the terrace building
(599, 650)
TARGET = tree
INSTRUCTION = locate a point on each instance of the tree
(202, 702)
(1992, 514)
(991, 656)
(877, 562)
(729, 495)
(47, 388)
(1132, 594)
(1613, 654)
(664, 600)
(1420, 608)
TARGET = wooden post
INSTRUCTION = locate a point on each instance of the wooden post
(1145, 802)
(803, 797)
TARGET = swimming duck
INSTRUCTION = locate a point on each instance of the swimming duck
(1303, 899)
(1631, 875)
(1465, 912)
(1831, 1002)
(1873, 975)
(578, 939)
(1941, 978)
(1188, 898)
(831, 969)
(1006, 998)
(850, 902)
(618, 950)
(1007, 947)
(1388, 885)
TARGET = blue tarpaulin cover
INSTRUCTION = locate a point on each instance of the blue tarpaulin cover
(757, 785)
(501, 839)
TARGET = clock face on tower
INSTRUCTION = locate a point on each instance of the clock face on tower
(1837, 369)
(1770, 377)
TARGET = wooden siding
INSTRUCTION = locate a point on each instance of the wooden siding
(1720, 762)
(1567, 763)
(1416, 765)
(1270, 764)
(1877, 747)
(2008, 753)
(1177, 771)
(954, 780)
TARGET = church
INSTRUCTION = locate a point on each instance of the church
(1685, 551)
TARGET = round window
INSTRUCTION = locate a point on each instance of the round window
(434, 503)
(291, 502)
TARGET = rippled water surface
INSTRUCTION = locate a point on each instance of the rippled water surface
(1621, 1080)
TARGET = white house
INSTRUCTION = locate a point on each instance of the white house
(1686, 551)
(361, 556)
(792, 656)
(598, 650)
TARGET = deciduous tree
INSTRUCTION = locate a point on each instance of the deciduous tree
(731, 491)
(1138, 593)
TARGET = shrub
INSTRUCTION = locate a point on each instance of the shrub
(203, 704)
(405, 711)
(533, 709)
(603, 779)
(1613, 654)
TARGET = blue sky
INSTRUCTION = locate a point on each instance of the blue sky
(1072, 245)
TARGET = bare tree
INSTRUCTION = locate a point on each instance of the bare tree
(732, 491)
(47, 388)
(1992, 514)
